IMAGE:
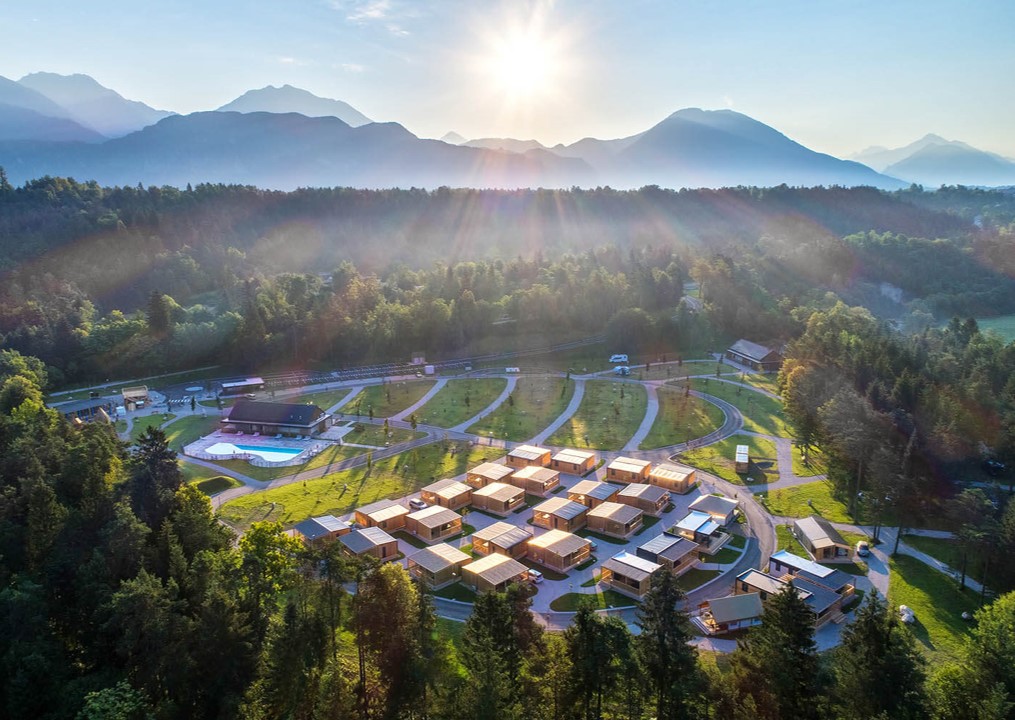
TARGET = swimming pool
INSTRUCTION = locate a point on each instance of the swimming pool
(269, 453)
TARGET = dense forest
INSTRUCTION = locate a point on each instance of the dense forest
(123, 598)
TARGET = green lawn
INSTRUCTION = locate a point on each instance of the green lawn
(681, 417)
(143, 423)
(460, 400)
(802, 500)
(568, 602)
(1003, 325)
(738, 541)
(695, 578)
(388, 399)
(937, 602)
(762, 414)
(456, 591)
(389, 478)
(451, 630)
(763, 381)
(535, 403)
(670, 370)
(546, 572)
(368, 434)
(718, 459)
(948, 552)
(604, 420)
(323, 399)
(727, 555)
(815, 465)
(187, 429)
(784, 540)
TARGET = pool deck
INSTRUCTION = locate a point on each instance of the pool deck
(308, 447)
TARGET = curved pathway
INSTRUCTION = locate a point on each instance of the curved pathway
(353, 392)
(571, 409)
(651, 412)
(437, 387)
(512, 381)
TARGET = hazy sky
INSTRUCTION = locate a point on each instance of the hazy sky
(837, 77)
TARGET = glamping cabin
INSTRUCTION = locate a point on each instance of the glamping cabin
(742, 460)
(786, 565)
(525, 455)
(824, 604)
(628, 470)
(821, 540)
(370, 541)
(559, 550)
(498, 498)
(721, 509)
(736, 612)
(629, 574)
(488, 472)
(650, 499)
(437, 566)
(615, 520)
(493, 573)
(434, 524)
(591, 493)
(322, 529)
(675, 478)
(447, 493)
(677, 554)
(503, 538)
(384, 514)
(559, 514)
(573, 462)
(536, 480)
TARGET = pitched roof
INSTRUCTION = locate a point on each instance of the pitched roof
(559, 542)
(668, 547)
(359, 541)
(498, 491)
(669, 471)
(652, 493)
(626, 464)
(503, 535)
(561, 507)
(537, 473)
(317, 527)
(438, 557)
(573, 456)
(433, 516)
(751, 350)
(819, 532)
(492, 471)
(593, 489)
(528, 452)
(631, 566)
(275, 413)
(696, 521)
(496, 568)
(618, 512)
(447, 488)
(382, 510)
(736, 607)
(714, 505)
(809, 570)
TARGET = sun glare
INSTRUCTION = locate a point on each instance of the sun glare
(523, 64)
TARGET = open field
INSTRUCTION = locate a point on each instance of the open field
(141, 424)
(718, 459)
(672, 370)
(1003, 325)
(681, 417)
(937, 602)
(816, 463)
(537, 401)
(762, 381)
(187, 429)
(343, 491)
(368, 434)
(762, 414)
(460, 400)
(696, 577)
(604, 420)
(784, 540)
(388, 399)
(949, 552)
(323, 399)
(568, 602)
(802, 500)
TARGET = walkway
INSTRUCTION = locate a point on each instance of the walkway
(437, 387)
(651, 412)
(571, 409)
(512, 381)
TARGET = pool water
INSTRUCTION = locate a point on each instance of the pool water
(269, 453)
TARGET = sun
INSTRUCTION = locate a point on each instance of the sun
(523, 64)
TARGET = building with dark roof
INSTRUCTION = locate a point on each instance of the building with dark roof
(753, 355)
(370, 541)
(268, 418)
(323, 527)
(92, 409)
(677, 554)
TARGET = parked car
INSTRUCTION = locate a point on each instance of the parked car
(863, 549)
(535, 576)
(993, 467)
(593, 546)
(619, 358)
(622, 370)
(417, 504)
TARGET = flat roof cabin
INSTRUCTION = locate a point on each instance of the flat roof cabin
(536, 480)
(437, 566)
(434, 523)
(384, 514)
(824, 604)
(486, 473)
(559, 550)
(742, 459)
(503, 538)
(559, 514)
(573, 462)
(493, 573)
(447, 493)
(592, 492)
(785, 564)
(629, 574)
(525, 455)
(696, 526)
(498, 498)
(615, 519)
(628, 470)
(650, 499)
(675, 478)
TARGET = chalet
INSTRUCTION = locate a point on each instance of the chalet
(322, 528)
(503, 538)
(525, 455)
(628, 470)
(447, 493)
(370, 541)
(573, 462)
(824, 604)
(437, 566)
(629, 574)
(677, 554)
(488, 472)
(559, 550)
(742, 460)
(675, 478)
(559, 514)
(536, 480)
(721, 509)
(434, 523)
(727, 614)
(498, 498)
(754, 356)
(383, 514)
(269, 418)
(822, 540)
(592, 492)
(615, 519)
(493, 573)
(650, 499)
(786, 565)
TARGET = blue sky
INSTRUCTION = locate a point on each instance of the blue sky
(836, 76)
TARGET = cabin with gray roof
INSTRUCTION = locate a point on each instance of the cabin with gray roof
(677, 554)
(437, 566)
(629, 574)
(503, 538)
(754, 356)
(560, 514)
(271, 418)
(370, 541)
(821, 540)
(324, 527)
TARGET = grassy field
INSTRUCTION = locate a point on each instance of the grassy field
(388, 399)
(187, 429)
(937, 602)
(671, 370)
(718, 459)
(604, 420)
(681, 418)
(323, 399)
(339, 493)
(802, 500)
(367, 434)
(141, 424)
(784, 540)
(1003, 325)
(762, 414)
(538, 401)
(815, 465)
(460, 400)
(568, 602)
(696, 577)
(766, 381)
(948, 552)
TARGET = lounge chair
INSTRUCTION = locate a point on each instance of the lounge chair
(257, 434)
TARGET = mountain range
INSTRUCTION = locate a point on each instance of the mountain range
(285, 137)
(934, 161)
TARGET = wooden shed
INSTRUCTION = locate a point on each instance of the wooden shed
(650, 499)
(498, 498)
(742, 459)
(447, 493)
(629, 574)
(370, 541)
(615, 519)
(437, 566)
(675, 478)
(628, 470)
(559, 550)
(383, 514)
(434, 523)
(573, 462)
(503, 538)
(559, 514)
(525, 455)
(592, 492)
(536, 480)
(488, 472)
(493, 573)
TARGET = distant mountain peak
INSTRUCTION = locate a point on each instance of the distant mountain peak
(289, 98)
(453, 138)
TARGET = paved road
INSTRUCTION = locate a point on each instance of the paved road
(571, 409)
(651, 412)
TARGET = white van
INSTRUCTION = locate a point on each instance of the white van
(622, 370)
(618, 359)
(535, 576)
